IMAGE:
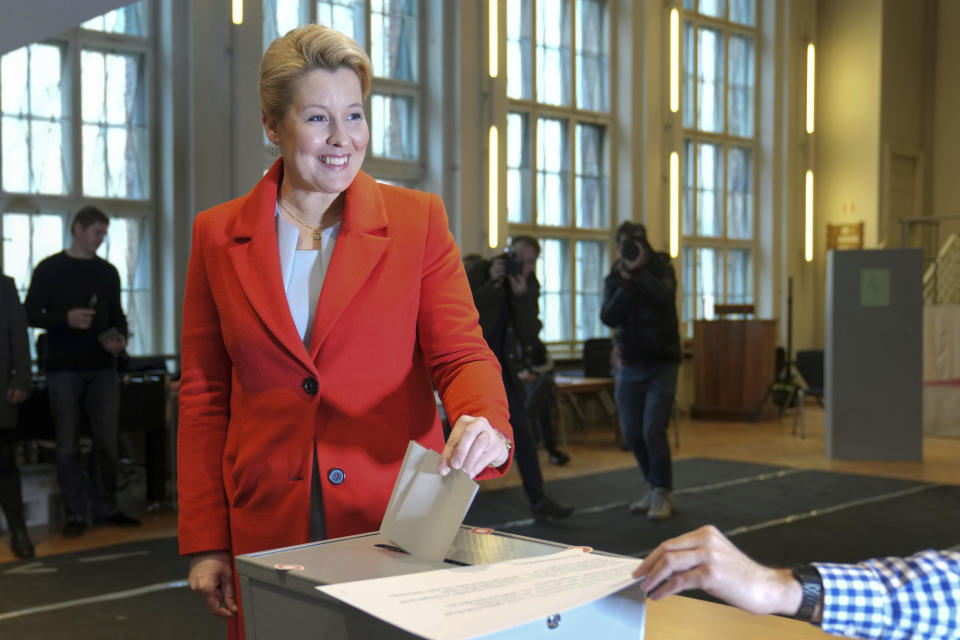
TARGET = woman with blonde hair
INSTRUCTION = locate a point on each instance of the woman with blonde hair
(321, 309)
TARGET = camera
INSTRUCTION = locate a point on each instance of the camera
(514, 266)
(629, 249)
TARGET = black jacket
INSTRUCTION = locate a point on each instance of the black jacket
(14, 350)
(510, 324)
(643, 312)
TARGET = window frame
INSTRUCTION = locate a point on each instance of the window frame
(690, 238)
(73, 42)
(533, 111)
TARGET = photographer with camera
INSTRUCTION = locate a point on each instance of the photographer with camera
(506, 293)
(639, 304)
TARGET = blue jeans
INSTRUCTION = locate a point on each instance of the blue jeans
(97, 392)
(645, 394)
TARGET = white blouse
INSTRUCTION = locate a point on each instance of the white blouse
(303, 272)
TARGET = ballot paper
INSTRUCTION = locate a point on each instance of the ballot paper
(466, 602)
(426, 509)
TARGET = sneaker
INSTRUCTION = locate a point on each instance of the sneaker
(642, 505)
(558, 457)
(20, 544)
(547, 508)
(74, 529)
(118, 519)
(661, 504)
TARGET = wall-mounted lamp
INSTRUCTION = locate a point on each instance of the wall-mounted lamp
(493, 195)
(493, 44)
(674, 204)
(808, 219)
(811, 77)
(674, 60)
(236, 10)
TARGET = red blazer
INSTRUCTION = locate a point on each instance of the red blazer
(395, 314)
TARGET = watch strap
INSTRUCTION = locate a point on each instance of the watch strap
(812, 585)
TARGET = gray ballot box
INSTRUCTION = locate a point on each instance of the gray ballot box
(281, 603)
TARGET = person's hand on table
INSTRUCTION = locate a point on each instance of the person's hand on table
(211, 575)
(706, 559)
(16, 396)
(473, 446)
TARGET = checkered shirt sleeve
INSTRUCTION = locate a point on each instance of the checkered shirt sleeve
(894, 598)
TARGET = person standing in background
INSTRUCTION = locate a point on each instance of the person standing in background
(639, 304)
(15, 386)
(75, 296)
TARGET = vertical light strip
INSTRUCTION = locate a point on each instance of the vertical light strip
(674, 60)
(237, 11)
(493, 44)
(493, 196)
(808, 219)
(674, 204)
(811, 77)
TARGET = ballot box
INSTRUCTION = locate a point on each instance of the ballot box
(280, 599)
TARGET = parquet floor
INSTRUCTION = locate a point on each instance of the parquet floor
(596, 449)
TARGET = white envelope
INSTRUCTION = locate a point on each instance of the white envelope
(426, 509)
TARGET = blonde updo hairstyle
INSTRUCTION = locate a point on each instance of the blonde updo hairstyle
(300, 51)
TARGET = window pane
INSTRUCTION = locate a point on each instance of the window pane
(34, 120)
(715, 8)
(689, 198)
(131, 20)
(743, 11)
(592, 62)
(16, 248)
(739, 276)
(591, 270)
(553, 272)
(346, 16)
(591, 178)
(709, 190)
(127, 247)
(710, 80)
(553, 52)
(553, 173)
(709, 281)
(519, 53)
(518, 169)
(740, 193)
(689, 76)
(116, 161)
(279, 16)
(741, 86)
(393, 41)
(393, 127)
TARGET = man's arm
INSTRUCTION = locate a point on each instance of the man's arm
(39, 299)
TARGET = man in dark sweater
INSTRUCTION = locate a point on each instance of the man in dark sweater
(639, 304)
(75, 296)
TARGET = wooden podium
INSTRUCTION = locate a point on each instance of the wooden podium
(734, 363)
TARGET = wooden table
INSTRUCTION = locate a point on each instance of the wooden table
(683, 618)
(569, 387)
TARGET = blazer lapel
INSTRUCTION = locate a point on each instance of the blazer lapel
(256, 259)
(361, 244)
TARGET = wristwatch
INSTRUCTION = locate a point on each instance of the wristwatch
(812, 585)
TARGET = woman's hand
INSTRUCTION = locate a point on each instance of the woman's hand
(473, 446)
(211, 575)
(706, 559)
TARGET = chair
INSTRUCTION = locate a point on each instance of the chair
(809, 364)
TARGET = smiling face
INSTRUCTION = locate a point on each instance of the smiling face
(324, 134)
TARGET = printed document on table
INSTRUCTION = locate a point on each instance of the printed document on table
(466, 602)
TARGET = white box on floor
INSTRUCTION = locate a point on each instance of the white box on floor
(41, 495)
(285, 604)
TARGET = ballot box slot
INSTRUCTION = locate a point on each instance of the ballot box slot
(393, 547)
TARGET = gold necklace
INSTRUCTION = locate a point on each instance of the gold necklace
(316, 231)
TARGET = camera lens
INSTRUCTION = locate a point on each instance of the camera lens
(629, 250)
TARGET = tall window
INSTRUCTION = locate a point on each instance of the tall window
(558, 156)
(55, 160)
(720, 40)
(393, 46)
